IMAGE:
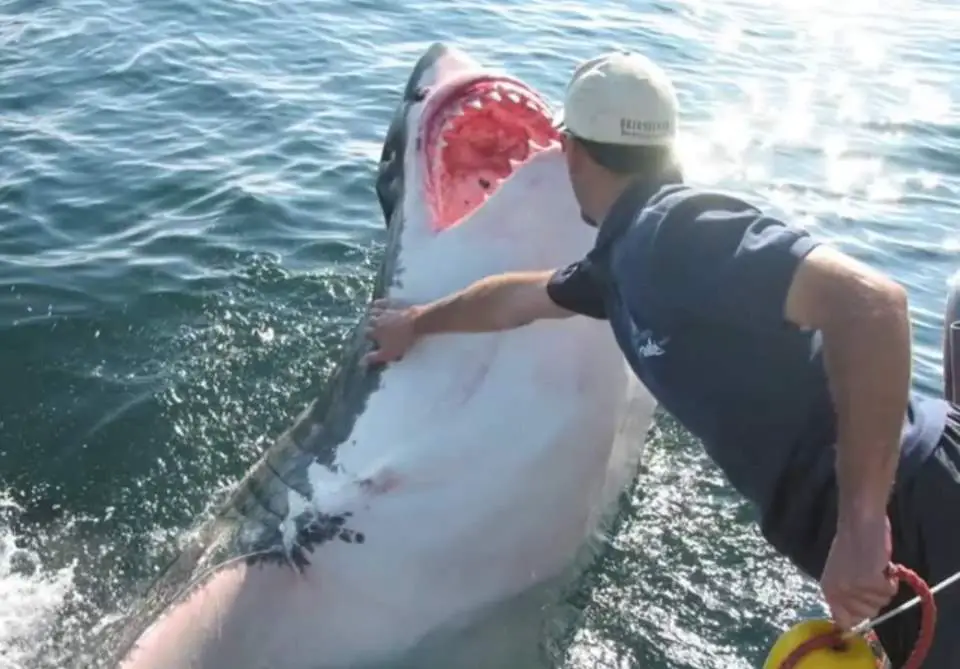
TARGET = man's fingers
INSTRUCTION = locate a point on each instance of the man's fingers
(374, 357)
(377, 314)
(871, 602)
(868, 596)
(892, 584)
(390, 303)
(876, 592)
(858, 609)
(379, 356)
(843, 617)
(849, 610)
(882, 592)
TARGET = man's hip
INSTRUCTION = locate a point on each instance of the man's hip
(925, 525)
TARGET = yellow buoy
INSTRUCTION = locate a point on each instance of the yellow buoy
(856, 653)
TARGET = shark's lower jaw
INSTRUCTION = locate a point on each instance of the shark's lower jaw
(474, 137)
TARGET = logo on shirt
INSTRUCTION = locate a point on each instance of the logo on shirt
(647, 345)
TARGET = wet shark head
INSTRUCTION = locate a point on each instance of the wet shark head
(460, 132)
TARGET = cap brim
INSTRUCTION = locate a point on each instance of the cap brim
(559, 121)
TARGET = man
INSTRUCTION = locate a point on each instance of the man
(790, 361)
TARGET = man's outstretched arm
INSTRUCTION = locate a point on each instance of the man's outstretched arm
(499, 302)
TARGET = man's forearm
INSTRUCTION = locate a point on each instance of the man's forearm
(493, 303)
(867, 350)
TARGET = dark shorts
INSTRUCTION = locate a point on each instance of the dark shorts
(925, 524)
(925, 521)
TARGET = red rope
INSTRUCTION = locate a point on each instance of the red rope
(928, 623)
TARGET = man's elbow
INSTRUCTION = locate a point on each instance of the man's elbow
(832, 290)
(895, 297)
(870, 300)
(529, 302)
(511, 316)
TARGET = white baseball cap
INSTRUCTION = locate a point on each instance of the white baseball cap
(621, 98)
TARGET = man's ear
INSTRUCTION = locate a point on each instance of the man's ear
(574, 154)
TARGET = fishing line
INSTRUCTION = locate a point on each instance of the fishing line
(202, 576)
(868, 625)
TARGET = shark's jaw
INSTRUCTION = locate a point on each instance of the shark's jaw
(476, 130)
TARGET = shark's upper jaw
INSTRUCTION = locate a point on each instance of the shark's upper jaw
(474, 132)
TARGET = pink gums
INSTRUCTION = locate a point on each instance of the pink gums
(475, 139)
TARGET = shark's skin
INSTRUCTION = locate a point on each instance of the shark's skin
(414, 496)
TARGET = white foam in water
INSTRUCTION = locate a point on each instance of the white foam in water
(29, 597)
(332, 493)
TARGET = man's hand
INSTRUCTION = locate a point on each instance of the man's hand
(854, 580)
(498, 302)
(393, 327)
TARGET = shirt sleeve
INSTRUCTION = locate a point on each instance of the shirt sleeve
(575, 288)
(723, 259)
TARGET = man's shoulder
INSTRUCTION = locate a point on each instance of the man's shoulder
(695, 201)
(679, 205)
(676, 214)
(637, 209)
(709, 214)
(697, 224)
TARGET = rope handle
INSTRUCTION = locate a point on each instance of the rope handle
(928, 623)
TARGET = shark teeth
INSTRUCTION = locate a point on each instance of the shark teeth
(499, 94)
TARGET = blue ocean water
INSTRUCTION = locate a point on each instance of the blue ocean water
(188, 230)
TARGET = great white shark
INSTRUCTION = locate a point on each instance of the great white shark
(411, 498)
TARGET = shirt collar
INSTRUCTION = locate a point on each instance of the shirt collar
(624, 209)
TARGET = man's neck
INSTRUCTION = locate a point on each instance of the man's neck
(606, 195)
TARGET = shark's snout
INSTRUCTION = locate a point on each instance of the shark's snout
(461, 131)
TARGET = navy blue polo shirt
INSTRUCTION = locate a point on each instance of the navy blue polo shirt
(694, 284)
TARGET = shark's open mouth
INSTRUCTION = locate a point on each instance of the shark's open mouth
(475, 136)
